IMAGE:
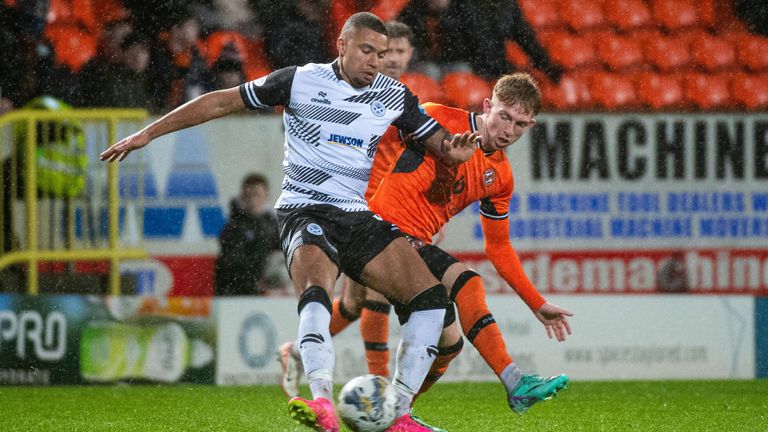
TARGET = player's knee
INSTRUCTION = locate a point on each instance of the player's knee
(317, 294)
(461, 280)
(430, 298)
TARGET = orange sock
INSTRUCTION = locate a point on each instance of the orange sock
(374, 327)
(478, 323)
(340, 318)
(440, 365)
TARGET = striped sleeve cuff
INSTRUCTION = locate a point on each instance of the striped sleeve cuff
(249, 96)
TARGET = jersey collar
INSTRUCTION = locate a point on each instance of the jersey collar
(473, 128)
(336, 70)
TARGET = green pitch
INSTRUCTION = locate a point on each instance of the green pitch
(585, 406)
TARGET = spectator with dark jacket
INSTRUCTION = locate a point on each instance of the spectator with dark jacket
(247, 240)
(487, 25)
(298, 37)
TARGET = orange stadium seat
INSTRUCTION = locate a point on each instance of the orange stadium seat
(628, 15)
(712, 53)
(542, 14)
(751, 51)
(78, 12)
(707, 91)
(516, 56)
(72, 46)
(109, 10)
(569, 50)
(583, 15)
(667, 53)
(675, 15)
(613, 91)
(707, 13)
(659, 91)
(423, 86)
(570, 94)
(750, 90)
(618, 52)
(465, 89)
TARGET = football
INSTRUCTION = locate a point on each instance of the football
(367, 404)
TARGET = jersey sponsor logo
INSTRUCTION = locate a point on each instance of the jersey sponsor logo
(314, 229)
(345, 140)
(323, 98)
(489, 176)
(378, 109)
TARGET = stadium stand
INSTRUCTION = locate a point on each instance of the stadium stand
(635, 47)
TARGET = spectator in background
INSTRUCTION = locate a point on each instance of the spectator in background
(229, 73)
(177, 71)
(247, 240)
(754, 13)
(487, 25)
(112, 37)
(298, 36)
(237, 15)
(425, 18)
(28, 69)
(119, 81)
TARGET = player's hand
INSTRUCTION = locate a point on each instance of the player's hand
(555, 320)
(460, 148)
(119, 150)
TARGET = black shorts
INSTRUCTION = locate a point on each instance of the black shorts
(351, 239)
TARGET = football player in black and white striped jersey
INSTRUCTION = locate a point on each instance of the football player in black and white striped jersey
(334, 115)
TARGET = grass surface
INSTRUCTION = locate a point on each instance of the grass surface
(585, 406)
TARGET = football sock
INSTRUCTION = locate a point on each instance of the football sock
(315, 345)
(510, 376)
(415, 354)
(444, 357)
(374, 327)
(478, 323)
(340, 317)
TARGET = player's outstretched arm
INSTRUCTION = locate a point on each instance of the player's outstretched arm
(452, 149)
(199, 110)
(555, 320)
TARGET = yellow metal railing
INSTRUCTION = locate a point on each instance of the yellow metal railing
(31, 253)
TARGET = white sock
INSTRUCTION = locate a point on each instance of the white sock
(316, 349)
(510, 376)
(415, 354)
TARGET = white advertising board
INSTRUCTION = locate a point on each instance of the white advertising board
(614, 337)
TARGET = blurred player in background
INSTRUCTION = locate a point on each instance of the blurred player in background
(420, 195)
(325, 225)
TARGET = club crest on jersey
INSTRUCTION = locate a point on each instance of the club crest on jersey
(489, 176)
(345, 140)
(378, 109)
(314, 229)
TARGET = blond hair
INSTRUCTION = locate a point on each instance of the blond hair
(519, 89)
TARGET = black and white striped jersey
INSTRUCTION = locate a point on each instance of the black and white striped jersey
(332, 130)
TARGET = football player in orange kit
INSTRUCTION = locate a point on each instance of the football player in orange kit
(420, 195)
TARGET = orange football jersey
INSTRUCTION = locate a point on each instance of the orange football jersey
(389, 147)
(419, 194)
